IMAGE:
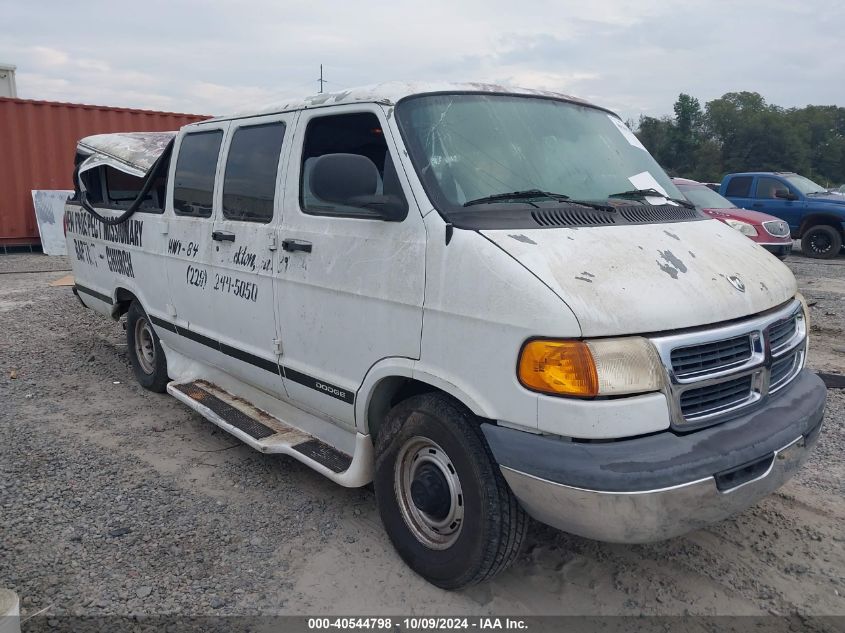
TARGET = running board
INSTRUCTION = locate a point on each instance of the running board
(268, 434)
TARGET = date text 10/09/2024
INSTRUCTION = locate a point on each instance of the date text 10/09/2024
(418, 624)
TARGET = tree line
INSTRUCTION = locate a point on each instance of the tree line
(741, 132)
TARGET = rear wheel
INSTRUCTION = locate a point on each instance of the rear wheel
(442, 498)
(821, 242)
(145, 351)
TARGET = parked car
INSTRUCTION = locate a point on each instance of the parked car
(815, 216)
(766, 230)
(482, 300)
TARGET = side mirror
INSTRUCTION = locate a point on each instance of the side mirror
(785, 194)
(352, 180)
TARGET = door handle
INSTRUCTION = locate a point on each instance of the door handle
(223, 236)
(757, 204)
(296, 245)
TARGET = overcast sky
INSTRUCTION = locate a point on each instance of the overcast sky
(220, 56)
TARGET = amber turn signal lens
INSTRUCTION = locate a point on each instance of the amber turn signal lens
(560, 367)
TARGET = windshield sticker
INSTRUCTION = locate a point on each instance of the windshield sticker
(644, 180)
(626, 132)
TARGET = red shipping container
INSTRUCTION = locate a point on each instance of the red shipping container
(38, 144)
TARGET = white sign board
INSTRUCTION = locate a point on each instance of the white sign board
(50, 212)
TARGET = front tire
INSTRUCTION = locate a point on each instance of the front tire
(145, 352)
(821, 242)
(442, 498)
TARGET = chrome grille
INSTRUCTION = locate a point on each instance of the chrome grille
(715, 398)
(784, 370)
(692, 360)
(781, 333)
(718, 372)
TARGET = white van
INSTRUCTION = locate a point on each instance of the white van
(491, 303)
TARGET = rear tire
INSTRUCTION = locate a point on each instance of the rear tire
(442, 498)
(145, 352)
(821, 242)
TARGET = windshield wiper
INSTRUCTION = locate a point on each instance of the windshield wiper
(528, 194)
(651, 192)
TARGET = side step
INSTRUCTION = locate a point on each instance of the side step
(268, 434)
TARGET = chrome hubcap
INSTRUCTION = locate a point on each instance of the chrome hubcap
(429, 493)
(145, 350)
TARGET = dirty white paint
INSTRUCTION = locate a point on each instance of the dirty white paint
(50, 212)
(652, 277)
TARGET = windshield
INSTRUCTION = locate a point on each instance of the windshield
(703, 196)
(804, 185)
(470, 146)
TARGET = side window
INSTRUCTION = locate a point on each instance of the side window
(193, 184)
(123, 188)
(93, 181)
(249, 184)
(766, 187)
(739, 187)
(347, 169)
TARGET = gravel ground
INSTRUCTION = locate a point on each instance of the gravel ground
(114, 500)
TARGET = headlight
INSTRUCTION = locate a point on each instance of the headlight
(600, 367)
(776, 228)
(743, 227)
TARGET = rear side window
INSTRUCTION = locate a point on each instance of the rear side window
(193, 184)
(249, 185)
(739, 187)
(115, 189)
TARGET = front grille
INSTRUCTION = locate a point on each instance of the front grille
(708, 357)
(781, 333)
(782, 371)
(778, 228)
(715, 398)
(719, 372)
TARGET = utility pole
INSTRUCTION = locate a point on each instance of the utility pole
(321, 80)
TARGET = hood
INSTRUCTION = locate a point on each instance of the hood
(746, 215)
(652, 277)
(834, 198)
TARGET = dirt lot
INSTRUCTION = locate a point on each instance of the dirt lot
(114, 500)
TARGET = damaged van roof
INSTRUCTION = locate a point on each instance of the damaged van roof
(391, 93)
(138, 150)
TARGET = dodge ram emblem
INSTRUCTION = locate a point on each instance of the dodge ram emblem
(736, 282)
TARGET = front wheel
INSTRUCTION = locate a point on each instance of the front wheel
(821, 242)
(145, 351)
(442, 498)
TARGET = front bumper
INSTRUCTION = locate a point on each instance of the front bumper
(779, 249)
(662, 485)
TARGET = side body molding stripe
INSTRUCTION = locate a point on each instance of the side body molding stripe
(262, 363)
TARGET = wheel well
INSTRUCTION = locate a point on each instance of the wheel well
(815, 220)
(390, 392)
(123, 299)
